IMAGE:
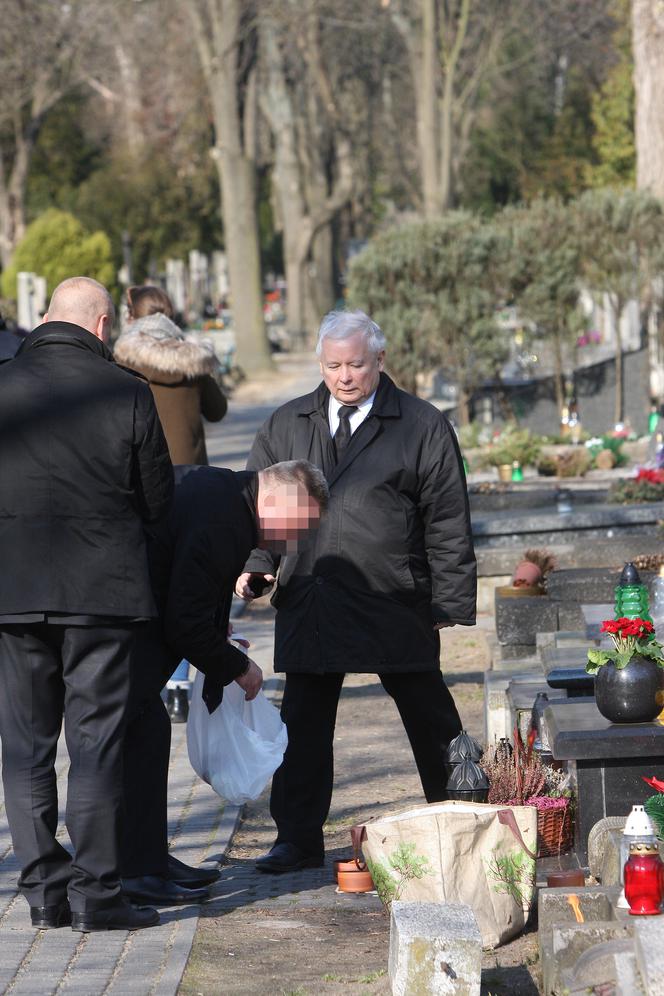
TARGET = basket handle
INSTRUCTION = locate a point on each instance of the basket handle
(507, 818)
(358, 833)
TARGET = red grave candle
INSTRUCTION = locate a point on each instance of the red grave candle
(644, 880)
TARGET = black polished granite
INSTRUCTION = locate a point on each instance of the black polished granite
(565, 667)
(607, 761)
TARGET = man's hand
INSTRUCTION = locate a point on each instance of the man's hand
(251, 681)
(244, 591)
(442, 625)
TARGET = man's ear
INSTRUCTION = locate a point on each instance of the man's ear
(45, 318)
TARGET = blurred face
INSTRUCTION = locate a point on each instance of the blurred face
(351, 371)
(288, 517)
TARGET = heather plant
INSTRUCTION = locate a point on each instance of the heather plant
(514, 775)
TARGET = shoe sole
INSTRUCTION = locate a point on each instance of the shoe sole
(50, 924)
(90, 928)
(139, 900)
(273, 869)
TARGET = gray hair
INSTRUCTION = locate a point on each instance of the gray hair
(343, 324)
(303, 473)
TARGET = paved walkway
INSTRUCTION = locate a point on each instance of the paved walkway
(38, 963)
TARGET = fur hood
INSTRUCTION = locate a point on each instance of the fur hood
(156, 347)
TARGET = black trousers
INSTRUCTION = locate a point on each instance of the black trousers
(81, 673)
(147, 748)
(302, 786)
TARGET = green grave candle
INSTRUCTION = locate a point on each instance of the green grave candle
(631, 596)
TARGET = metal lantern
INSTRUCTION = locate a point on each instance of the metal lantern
(631, 595)
(463, 748)
(468, 783)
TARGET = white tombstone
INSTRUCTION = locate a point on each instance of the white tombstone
(176, 283)
(198, 280)
(31, 296)
(220, 283)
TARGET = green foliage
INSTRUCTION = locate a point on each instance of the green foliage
(512, 874)
(542, 265)
(564, 158)
(654, 807)
(166, 211)
(634, 491)
(63, 159)
(432, 287)
(613, 113)
(406, 865)
(513, 444)
(56, 246)
(621, 658)
(612, 443)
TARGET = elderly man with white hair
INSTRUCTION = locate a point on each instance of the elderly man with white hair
(392, 564)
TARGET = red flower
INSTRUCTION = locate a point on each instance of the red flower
(655, 783)
(651, 476)
(610, 626)
(624, 627)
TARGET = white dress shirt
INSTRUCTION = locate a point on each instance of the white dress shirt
(355, 420)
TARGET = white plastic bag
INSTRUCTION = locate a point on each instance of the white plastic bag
(239, 746)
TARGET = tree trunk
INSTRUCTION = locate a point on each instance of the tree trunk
(558, 374)
(12, 195)
(648, 45)
(619, 407)
(322, 277)
(217, 27)
(425, 73)
(463, 406)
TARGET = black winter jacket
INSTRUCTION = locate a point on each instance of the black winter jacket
(196, 554)
(394, 553)
(83, 464)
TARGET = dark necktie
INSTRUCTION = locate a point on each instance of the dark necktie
(342, 435)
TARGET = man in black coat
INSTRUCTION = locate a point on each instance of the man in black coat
(393, 563)
(83, 466)
(196, 554)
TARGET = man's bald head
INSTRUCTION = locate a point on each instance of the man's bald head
(85, 302)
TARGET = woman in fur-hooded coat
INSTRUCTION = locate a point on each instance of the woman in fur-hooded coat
(180, 370)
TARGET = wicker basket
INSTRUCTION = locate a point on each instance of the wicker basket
(554, 830)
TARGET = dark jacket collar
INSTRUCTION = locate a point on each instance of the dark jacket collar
(386, 403)
(65, 333)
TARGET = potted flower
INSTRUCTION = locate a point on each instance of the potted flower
(629, 678)
(519, 777)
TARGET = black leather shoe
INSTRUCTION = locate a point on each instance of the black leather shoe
(45, 917)
(177, 704)
(188, 877)
(160, 891)
(120, 917)
(287, 857)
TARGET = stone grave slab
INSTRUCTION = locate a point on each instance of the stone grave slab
(608, 762)
(565, 667)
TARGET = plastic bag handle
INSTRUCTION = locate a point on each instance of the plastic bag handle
(358, 833)
(507, 818)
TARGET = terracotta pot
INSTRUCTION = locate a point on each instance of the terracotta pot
(572, 878)
(632, 694)
(527, 575)
(352, 877)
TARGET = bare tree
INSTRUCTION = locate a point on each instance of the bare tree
(225, 40)
(648, 45)
(40, 48)
(452, 46)
(313, 156)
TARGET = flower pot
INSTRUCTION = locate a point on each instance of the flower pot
(468, 795)
(633, 694)
(353, 876)
(505, 472)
